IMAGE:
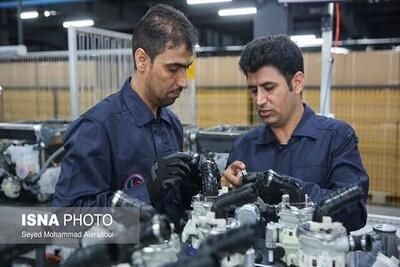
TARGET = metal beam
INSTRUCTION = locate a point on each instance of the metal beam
(326, 62)
(14, 4)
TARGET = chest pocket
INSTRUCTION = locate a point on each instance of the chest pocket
(314, 174)
(310, 161)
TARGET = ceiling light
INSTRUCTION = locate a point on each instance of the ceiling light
(308, 40)
(29, 15)
(198, 2)
(303, 37)
(237, 11)
(78, 23)
(340, 50)
(49, 13)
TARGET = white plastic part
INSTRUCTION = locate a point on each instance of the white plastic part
(25, 158)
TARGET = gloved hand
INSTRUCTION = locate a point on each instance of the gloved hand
(195, 175)
(167, 172)
(205, 175)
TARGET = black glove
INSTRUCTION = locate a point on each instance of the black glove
(205, 175)
(195, 175)
(167, 172)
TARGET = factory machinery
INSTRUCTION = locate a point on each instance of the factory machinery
(237, 228)
(240, 227)
(30, 153)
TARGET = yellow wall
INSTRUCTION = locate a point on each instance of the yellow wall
(222, 98)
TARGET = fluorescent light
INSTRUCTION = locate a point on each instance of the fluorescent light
(302, 37)
(29, 15)
(49, 13)
(237, 11)
(78, 23)
(340, 50)
(308, 40)
(198, 2)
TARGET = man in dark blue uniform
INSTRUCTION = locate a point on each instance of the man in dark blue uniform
(319, 152)
(114, 145)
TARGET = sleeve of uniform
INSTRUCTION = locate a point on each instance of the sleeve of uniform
(85, 178)
(345, 169)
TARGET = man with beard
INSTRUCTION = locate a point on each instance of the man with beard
(321, 154)
(114, 145)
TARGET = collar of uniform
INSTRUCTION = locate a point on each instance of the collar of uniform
(265, 136)
(307, 125)
(139, 110)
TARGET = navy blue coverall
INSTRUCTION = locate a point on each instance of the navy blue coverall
(113, 147)
(322, 155)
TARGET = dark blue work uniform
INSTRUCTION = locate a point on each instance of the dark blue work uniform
(322, 155)
(113, 146)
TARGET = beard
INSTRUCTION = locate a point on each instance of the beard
(167, 102)
(152, 94)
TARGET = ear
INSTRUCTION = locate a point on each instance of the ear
(141, 59)
(298, 82)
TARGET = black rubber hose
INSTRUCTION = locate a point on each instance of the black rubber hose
(230, 201)
(122, 200)
(335, 201)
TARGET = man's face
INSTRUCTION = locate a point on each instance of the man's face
(275, 103)
(166, 76)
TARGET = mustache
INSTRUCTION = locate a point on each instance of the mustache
(179, 89)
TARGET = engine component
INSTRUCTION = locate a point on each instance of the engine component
(384, 252)
(386, 234)
(384, 261)
(326, 243)
(161, 244)
(215, 250)
(10, 187)
(212, 216)
(120, 199)
(272, 185)
(335, 201)
(25, 158)
(157, 254)
(153, 233)
(248, 214)
(30, 153)
(234, 199)
(283, 233)
(209, 173)
(199, 227)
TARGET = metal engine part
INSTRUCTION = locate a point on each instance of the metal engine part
(30, 153)
(283, 233)
(158, 254)
(10, 187)
(326, 243)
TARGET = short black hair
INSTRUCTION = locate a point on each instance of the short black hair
(162, 25)
(276, 51)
